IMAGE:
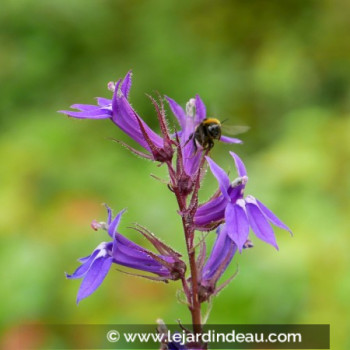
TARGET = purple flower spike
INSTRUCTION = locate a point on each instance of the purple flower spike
(239, 213)
(121, 251)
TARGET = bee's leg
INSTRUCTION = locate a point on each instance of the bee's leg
(210, 144)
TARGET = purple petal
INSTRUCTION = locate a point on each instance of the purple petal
(221, 176)
(126, 84)
(95, 114)
(212, 211)
(259, 224)
(191, 159)
(115, 106)
(272, 217)
(221, 248)
(125, 118)
(127, 122)
(122, 245)
(124, 241)
(215, 204)
(149, 265)
(129, 254)
(84, 259)
(178, 112)
(201, 111)
(83, 107)
(109, 212)
(82, 269)
(130, 124)
(114, 224)
(236, 192)
(101, 101)
(227, 139)
(237, 224)
(95, 276)
(239, 165)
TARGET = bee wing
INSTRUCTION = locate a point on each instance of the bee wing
(234, 129)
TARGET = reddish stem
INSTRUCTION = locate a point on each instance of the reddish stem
(187, 222)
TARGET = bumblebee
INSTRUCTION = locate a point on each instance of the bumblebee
(206, 132)
(209, 130)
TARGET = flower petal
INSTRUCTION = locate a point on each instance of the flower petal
(122, 245)
(213, 210)
(201, 111)
(221, 176)
(272, 217)
(149, 265)
(126, 119)
(239, 165)
(109, 212)
(191, 159)
(94, 114)
(227, 139)
(82, 269)
(101, 101)
(95, 276)
(114, 224)
(237, 224)
(177, 111)
(126, 84)
(222, 246)
(129, 254)
(259, 224)
(83, 107)
(115, 105)
(84, 259)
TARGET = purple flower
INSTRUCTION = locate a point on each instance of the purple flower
(122, 251)
(239, 213)
(189, 120)
(119, 110)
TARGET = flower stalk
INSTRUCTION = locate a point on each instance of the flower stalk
(189, 228)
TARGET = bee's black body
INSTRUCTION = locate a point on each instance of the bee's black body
(206, 132)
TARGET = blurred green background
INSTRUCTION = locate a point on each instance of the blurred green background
(281, 67)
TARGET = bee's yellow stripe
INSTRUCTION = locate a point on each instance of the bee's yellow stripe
(211, 120)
